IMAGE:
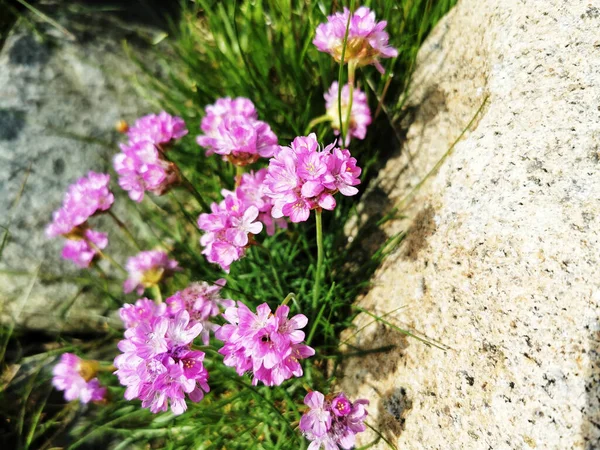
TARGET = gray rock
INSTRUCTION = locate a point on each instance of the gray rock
(502, 259)
(60, 99)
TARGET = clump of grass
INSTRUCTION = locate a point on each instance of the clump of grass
(261, 50)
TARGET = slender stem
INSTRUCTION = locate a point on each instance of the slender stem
(124, 228)
(317, 286)
(318, 120)
(351, 72)
(156, 294)
(192, 190)
(239, 171)
(272, 264)
(105, 256)
(290, 296)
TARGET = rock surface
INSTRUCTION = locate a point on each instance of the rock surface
(59, 101)
(502, 258)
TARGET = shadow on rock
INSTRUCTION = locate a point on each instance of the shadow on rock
(393, 408)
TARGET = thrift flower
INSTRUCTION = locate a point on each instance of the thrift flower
(252, 191)
(157, 363)
(360, 115)
(367, 40)
(203, 302)
(141, 167)
(302, 177)
(332, 422)
(227, 230)
(76, 377)
(85, 198)
(83, 251)
(147, 269)
(142, 164)
(158, 129)
(231, 129)
(268, 345)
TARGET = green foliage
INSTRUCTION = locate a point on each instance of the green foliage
(262, 50)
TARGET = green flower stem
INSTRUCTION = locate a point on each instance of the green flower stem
(105, 256)
(192, 190)
(351, 73)
(317, 286)
(290, 296)
(124, 228)
(318, 120)
(156, 294)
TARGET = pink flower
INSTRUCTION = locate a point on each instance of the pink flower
(252, 190)
(360, 115)
(332, 423)
(147, 269)
(317, 419)
(142, 167)
(232, 130)
(82, 251)
(68, 377)
(157, 363)
(367, 40)
(86, 197)
(159, 129)
(227, 230)
(268, 345)
(301, 178)
(203, 302)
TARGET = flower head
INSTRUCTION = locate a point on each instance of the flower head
(83, 251)
(77, 378)
(231, 129)
(147, 269)
(302, 177)
(86, 197)
(203, 302)
(159, 129)
(227, 229)
(269, 345)
(332, 422)
(157, 363)
(360, 115)
(141, 167)
(367, 40)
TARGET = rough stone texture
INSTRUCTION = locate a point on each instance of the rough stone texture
(53, 90)
(501, 263)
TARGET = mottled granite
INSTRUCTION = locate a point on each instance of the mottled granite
(59, 101)
(502, 258)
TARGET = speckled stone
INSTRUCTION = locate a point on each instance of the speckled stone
(501, 262)
(59, 102)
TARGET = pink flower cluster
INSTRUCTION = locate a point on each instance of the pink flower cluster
(301, 178)
(332, 422)
(83, 251)
(252, 190)
(232, 129)
(360, 114)
(147, 269)
(158, 365)
(203, 302)
(142, 165)
(269, 345)
(159, 129)
(68, 377)
(367, 40)
(85, 198)
(227, 230)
